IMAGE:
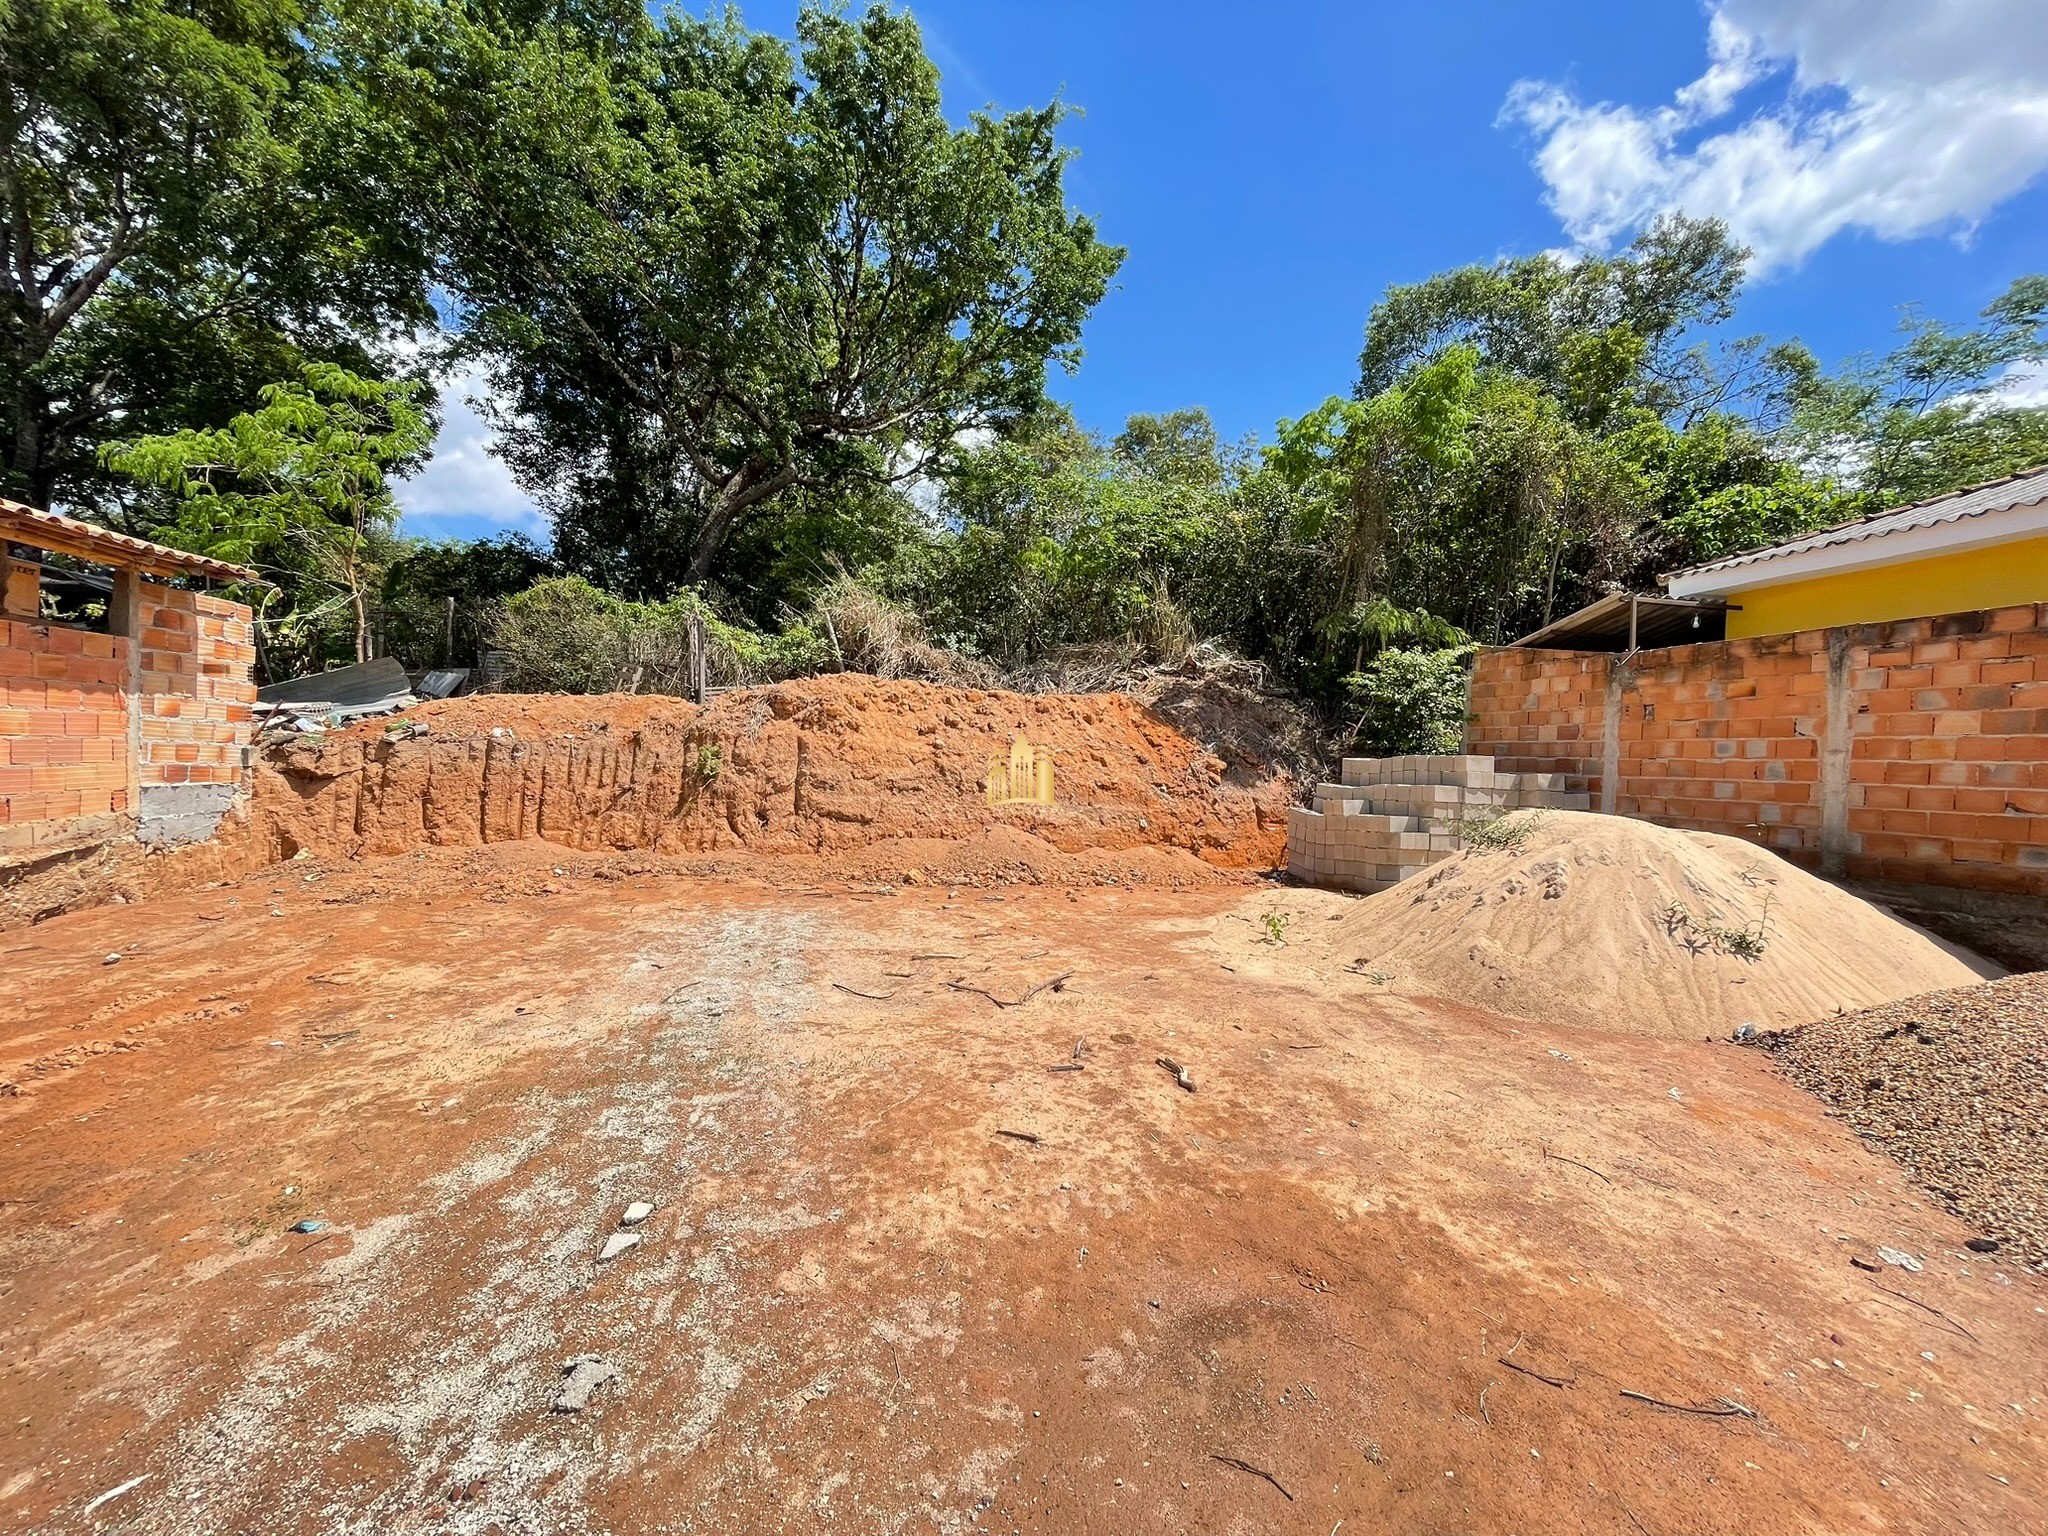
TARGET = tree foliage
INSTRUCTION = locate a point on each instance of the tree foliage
(298, 488)
(183, 218)
(708, 271)
(1925, 418)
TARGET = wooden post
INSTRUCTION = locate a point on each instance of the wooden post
(698, 668)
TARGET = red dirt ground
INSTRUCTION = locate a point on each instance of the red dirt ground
(859, 1308)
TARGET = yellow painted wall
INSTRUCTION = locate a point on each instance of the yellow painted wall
(1995, 577)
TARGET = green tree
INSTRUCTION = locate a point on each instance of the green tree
(1596, 333)
(428, 583)
(1925, 418)
(183, 216)
(299, 488)
(1412, 701)
(709, 272)
(1051, 540)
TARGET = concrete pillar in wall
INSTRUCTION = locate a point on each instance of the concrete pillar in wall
(1836, 743)
(124, 618)
(1620, 673)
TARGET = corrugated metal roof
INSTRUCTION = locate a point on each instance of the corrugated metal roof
(2018, 490)
(88, 541)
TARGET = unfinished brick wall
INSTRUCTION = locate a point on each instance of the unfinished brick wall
(151, 723)
(1912, 750)
(195, 687)
(63, 729)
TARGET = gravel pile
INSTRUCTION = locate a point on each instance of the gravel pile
(1955, 1086)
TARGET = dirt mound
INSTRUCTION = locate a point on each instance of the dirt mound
(824, 766)
(1955, 1086)
(1619, 925)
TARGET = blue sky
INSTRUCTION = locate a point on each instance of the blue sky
(1272, 169)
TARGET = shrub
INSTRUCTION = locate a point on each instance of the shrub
(567, 636)
(1412, 701)
(872, 634)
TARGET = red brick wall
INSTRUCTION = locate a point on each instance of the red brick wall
(75, 742)
(1950, 768)
(63, 724)
(1914, 750)
(196, 691)
(1539, 711)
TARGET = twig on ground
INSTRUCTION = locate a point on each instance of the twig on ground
(1020, 1136)
(879, 997)
(1727, 1410)
(1005, 1002)
(1548, 1381)
(937, 957)
(1245, 1466)
(1482, 1404)
(1558, 1157)
(1632, 1520)
(1924, 1307)
(1067, 1066)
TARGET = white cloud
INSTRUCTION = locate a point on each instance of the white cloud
(1899, 117)
(464, 490)
(2024, 385)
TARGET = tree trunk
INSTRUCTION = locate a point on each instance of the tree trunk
(28, 469)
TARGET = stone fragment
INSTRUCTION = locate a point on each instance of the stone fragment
(585, 1373)
(636, 1213)
(616, 1244)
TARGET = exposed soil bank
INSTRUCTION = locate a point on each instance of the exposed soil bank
(820, 766)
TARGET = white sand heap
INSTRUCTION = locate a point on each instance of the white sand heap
(1614, 924)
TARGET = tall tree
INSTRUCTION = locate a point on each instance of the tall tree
(1926, 418)
(1599, 333)
(708, 272)
(183, 216)
(299, 487)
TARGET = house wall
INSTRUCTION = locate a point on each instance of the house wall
(65, 760)
(148, 727)
(1998, 576)
(1910, 750)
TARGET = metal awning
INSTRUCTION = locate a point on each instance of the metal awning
(1633, 621)
(61, 535)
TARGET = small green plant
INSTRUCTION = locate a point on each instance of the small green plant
(710, 761)
(1709, 935)
(1500, 831)
(1276, 927)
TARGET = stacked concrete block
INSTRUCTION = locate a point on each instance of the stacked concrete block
(1392, 817)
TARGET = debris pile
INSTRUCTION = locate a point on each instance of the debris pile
(1954, 1085)
(1573, 918)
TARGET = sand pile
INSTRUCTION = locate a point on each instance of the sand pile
(1955, 1086)
(822, 766)
(1615, 924)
